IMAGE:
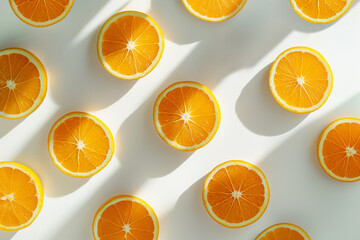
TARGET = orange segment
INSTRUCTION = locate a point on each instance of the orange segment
(339, 149)
(321, 11)
(283, 231)
(23, 83)
(236, 193)
(186, 115)
(125, 217)
(80, 144)
(130, 45)
(300, 80)
(41, 13)
(214, 10)
(21, 196)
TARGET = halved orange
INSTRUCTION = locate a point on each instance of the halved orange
(130, 45)
(80, 144)
(125, 217)
(186, 115)
(23, 83)
(214, 11)
(41, 13)
(21, 196)
(283, 231)
(236, 193)
(301, 80)
(321, 11)
(339, 149)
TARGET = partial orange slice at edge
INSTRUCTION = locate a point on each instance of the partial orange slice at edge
(339, 149)
(283, 231)
(125, 217)
(80, 144)
(21, 196)
(130, 45)
(236, 194)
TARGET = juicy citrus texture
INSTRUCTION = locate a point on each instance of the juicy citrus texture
(23, 83)
(130, 45)
(21, 196)
(125, 217)
(339, 149)
(214, 10)
(80, 144)
(301, 80)
(283, 231)
(41, 13)
(321, 11)
(236, 193)
(186, 115)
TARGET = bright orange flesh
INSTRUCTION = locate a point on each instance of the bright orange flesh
(125, 217)
(301, 79)
(130, 43)
(321, 11)
(214, 10)
(339, 149)
(236, 195)
(22, 83)
(41, 13)
(186, 115)
(20, 197)
(79, 144)
(283, 231)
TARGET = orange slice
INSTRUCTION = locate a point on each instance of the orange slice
(125, 217)
(301, 80)
(23, 83)
(41, 13)
(21, 196)
(214, 11)
(321, 11)
(80, 144)
(186, 115)
(130, 45)
(339, 149)
(283, 231)
(236, 194)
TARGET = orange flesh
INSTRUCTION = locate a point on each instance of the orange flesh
(345, 135)
(19, 83)
(282, 233)
(321, 9)
(305, 66)
(134, 30)
(111, 225)
(214, 8)
(41, 10)
(21, 187)
(240, 179)
(201, 110)
(80, 130)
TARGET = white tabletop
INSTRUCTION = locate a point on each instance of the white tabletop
(232, 58)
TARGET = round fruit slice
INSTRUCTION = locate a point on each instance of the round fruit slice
(236, 194)
(80, 144)
(41, 13)
(23, 83)
(186, 115)
(283, 231)
(130, 45)
(125, 217)
(214, 11)
(21, 196)
(321, 11)
(301, 80)
(339, 149)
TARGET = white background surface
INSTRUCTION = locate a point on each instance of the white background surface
(233, 59)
